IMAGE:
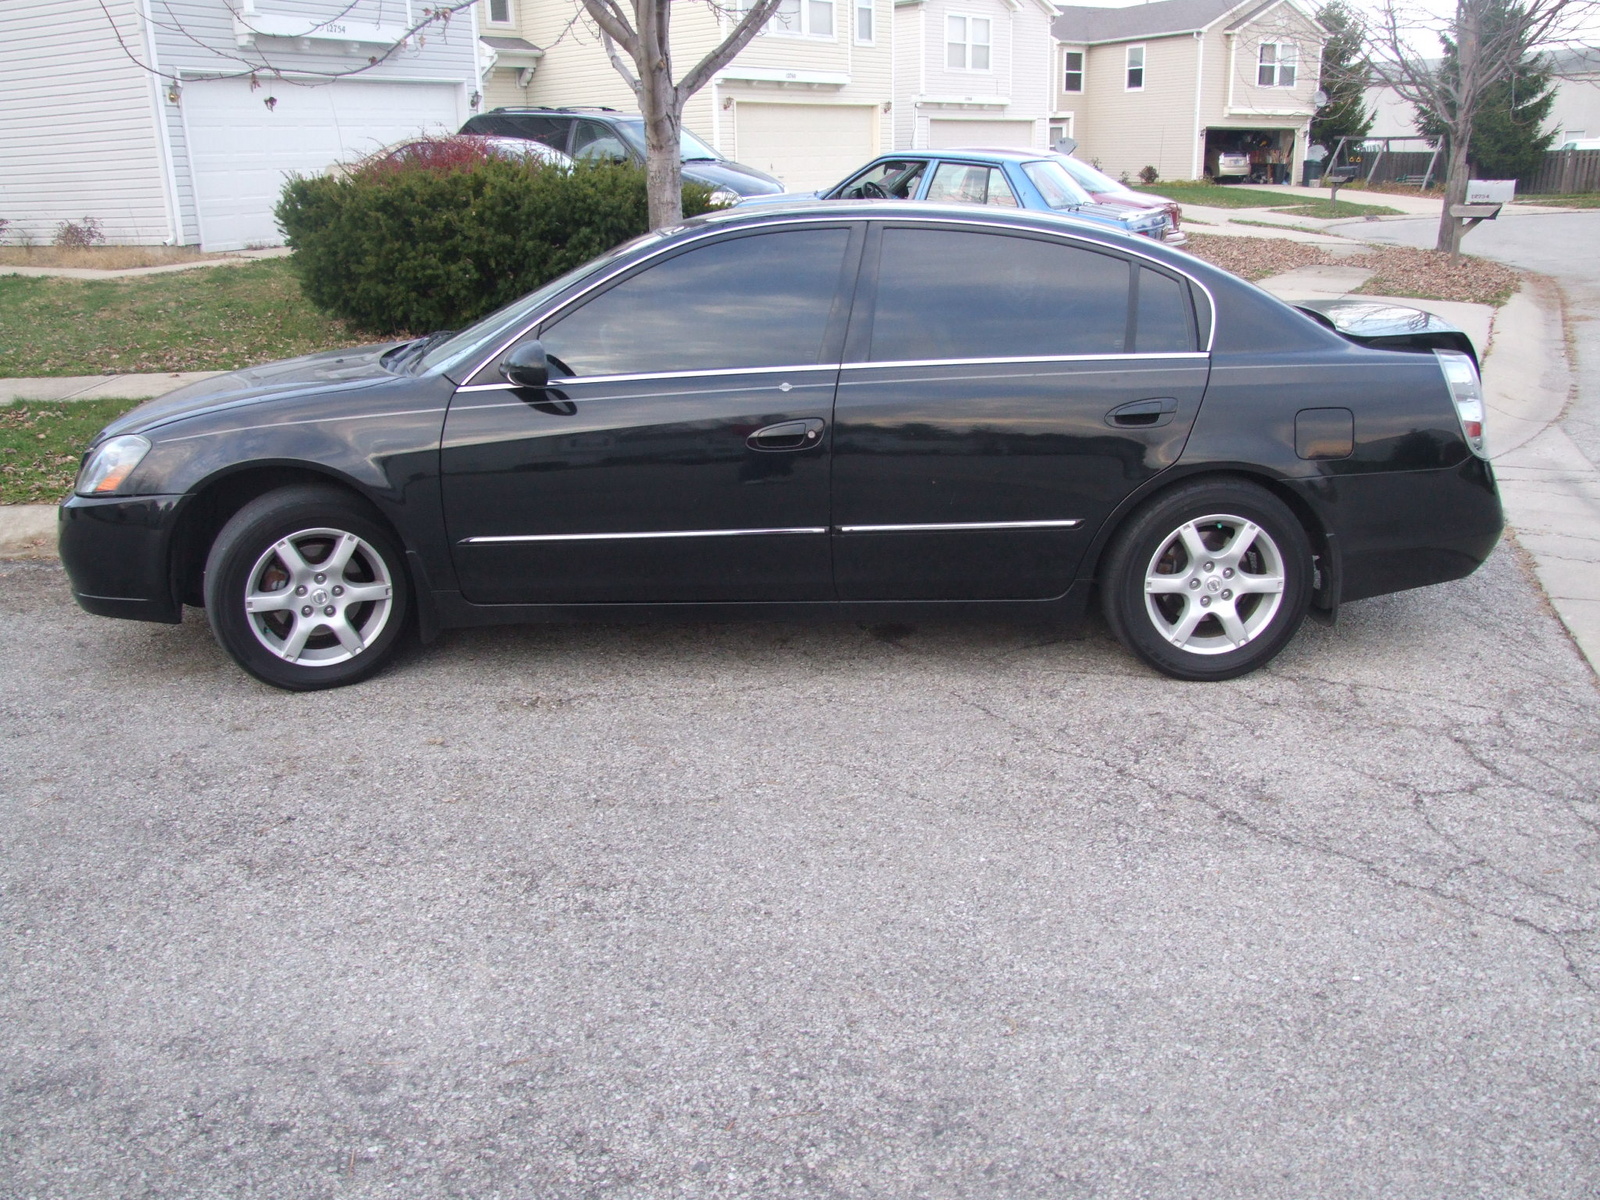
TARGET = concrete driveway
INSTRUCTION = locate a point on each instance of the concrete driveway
(952, 911)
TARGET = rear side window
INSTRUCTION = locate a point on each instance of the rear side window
(552, 131)
(759, 301)
(946, 294)
(1165, 322)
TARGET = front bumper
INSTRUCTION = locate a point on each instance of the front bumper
(117, 553)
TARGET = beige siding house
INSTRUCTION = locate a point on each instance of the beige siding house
(807, 100)
(1192, 88)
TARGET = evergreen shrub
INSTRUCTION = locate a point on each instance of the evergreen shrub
(424, 248)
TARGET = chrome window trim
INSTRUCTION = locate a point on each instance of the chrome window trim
(999, 362)
(845, 219)
(624, 537)
(566, 380)
(961, 526)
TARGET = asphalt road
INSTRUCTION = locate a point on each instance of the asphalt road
(953, 911)
(1565, 246)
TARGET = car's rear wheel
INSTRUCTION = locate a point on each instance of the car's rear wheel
(305, 588)
(1208, 581)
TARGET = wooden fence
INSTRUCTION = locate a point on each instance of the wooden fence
(1564, 172)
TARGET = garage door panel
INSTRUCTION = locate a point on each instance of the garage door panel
(808, 146)
(241, 151)
(950, 135)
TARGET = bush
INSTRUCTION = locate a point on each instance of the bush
(438, 246)
(77, 235)
(1148, 175)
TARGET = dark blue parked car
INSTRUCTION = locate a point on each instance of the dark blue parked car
(1001, 178)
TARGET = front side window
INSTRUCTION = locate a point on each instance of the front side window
(864, 33)
(1277, 64)
(805, 18)
(964, 183)
(757, 301)
(1135, 68)
(945, 294)
(896, 179)
(594, 142)
(966, 43)
(1072, 76)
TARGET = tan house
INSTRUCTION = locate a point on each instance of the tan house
(807, 100)
(1193, 88)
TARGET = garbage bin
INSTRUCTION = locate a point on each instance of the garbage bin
(1311, 173)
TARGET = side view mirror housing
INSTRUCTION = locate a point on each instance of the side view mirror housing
(527, 366)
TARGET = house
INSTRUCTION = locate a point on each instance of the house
(1177, 84)
(825, 87)
(178, 124)
(1575, 115)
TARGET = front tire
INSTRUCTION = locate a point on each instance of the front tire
(1208, 581)
(305, 589)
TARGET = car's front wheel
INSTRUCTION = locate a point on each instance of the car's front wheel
(1208, 581)
(305, 589)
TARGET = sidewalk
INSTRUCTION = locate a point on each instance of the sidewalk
(232, 260)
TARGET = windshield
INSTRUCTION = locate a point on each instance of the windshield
(472, 343)
(690, 148)
(1054, 184)
(1088, 178)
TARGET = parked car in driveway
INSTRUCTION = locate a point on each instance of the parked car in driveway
(1108, 191)
(999, 178)
(872, 409)
(605, 134)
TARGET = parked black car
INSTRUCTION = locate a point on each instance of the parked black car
(843, 408)
(604, 133)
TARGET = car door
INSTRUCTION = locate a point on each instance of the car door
(1002, 392)
(681, 451)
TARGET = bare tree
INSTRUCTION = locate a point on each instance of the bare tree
(642, 30)
(1490, 38)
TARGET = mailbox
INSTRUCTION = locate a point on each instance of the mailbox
(1491, 191)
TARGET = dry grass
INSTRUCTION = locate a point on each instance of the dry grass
(100, 258)
(1397, 270)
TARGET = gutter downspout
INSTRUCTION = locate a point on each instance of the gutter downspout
(1196, 160)
(169, 175)
(1233, 68)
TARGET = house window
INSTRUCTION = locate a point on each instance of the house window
(1072, 77)
(501, 13)
(1278, 65)
(864, 22)
(1135, 69)
(1060, 129)
(966, 43)
(803, 18)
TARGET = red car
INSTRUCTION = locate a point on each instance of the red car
(1106, 190)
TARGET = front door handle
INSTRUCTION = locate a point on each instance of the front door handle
(788, 435)
(1143, 414)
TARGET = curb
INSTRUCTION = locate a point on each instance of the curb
(28, 531)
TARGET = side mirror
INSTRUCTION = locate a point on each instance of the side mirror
(527, 366)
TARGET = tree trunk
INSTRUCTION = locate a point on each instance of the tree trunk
(661, 105)
(1455, 192)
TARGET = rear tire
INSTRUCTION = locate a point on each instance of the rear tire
(305, 589)
(1209, 580)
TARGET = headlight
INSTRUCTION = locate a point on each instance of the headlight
(108, 468)
(726, 197)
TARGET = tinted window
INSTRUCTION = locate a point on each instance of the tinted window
(949, 294)
(1164, 326)
(552, 131)
(592, 140)
(759, 301)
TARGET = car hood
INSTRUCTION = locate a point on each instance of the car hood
(736, 177)
(332, 370)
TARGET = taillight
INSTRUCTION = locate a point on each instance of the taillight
(1466, 389)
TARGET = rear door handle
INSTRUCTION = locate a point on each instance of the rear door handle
(788, 435)
(1143, 414)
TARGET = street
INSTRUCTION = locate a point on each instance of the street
(738, 910)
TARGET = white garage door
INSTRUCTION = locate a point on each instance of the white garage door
(240, 150)
(971, 135)
(807, 146)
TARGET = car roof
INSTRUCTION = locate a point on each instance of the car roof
(993, 154)
(585, 109)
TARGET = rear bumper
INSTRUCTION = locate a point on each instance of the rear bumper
(116, 551)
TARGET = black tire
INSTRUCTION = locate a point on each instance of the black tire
(315, 628)
(1177, 570)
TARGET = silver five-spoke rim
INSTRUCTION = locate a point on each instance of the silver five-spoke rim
(318, 597)
(1214, 584)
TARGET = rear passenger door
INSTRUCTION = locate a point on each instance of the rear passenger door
(1002, 393)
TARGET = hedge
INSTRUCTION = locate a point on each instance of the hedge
(416, 250)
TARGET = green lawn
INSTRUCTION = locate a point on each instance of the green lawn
(1581, 200)
(40, 444)
(1219, 195)
(215, 318)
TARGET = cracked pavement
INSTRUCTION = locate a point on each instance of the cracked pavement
(813, 911)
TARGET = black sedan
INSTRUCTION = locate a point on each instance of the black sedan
(837, 408)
